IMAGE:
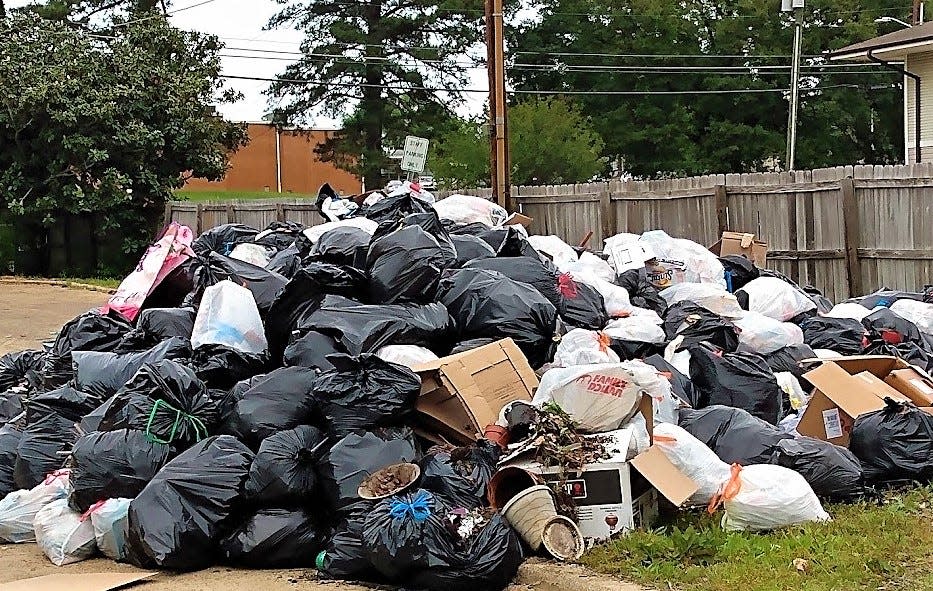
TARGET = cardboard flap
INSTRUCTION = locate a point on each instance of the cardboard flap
(853, 396)
(747, 240)
(480, 353)
(879, 365)
(676, 486)
(76, 582)
(520, 219)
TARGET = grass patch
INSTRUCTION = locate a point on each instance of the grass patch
(227, 195)
(887, 545)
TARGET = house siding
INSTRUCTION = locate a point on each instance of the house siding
(922, 65)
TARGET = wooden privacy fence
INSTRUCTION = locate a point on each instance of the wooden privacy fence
(845, 230)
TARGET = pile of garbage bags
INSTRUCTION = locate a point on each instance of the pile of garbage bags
(242, 398)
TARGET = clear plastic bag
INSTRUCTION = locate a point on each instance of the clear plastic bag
(776, 298)
(763, 497)
(684, 260)
(254, 254)
(407, 355)
(584, 347)
(110, 522)
(18, 509)
(919, 313)
(708, 295)
(693, 458)
(63, 535)
(765, 335)
(791, 386)
(641, 328)
(556, 249)
(228, 316)
(589, 263)
(467, 209)
(848, 310)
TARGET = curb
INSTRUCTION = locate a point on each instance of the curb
(10, 279)
(552, 576)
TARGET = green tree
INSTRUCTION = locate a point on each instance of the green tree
(550, 142)
(377, 59)
(82, 12)
(107, 125)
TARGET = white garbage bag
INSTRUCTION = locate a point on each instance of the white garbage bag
(590, 264)
(827, 354)
(709, 295)
(228, 316)
(790, 385)
(693, 458)
(615, 297)
(602, 397)
(682, 261)
(254, 254)
(639, 328)
(314, 233)
(848, 310)
(763, 497)
(776, 298)
(63, 535)
(919, 313)
(467, 209)
(789, 423)
(766, 335)
(110, 521)
(18, 509)
(584, 347)
(407, 355)
(556, 249)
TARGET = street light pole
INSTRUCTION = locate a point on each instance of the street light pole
(498, 107)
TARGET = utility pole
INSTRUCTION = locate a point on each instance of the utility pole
(917, 13)
(498, 108)
(792, 6)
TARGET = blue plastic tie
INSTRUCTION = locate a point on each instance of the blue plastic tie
(418, 508)
(728, 275)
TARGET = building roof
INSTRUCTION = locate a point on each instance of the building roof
(891, 46)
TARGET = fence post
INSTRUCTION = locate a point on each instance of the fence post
(167, 218)
(850, 219)
(722, 204)
(607, 216)
(231, 214)
(280, 211)
(199, 226)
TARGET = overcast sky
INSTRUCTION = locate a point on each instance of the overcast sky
(239, 24)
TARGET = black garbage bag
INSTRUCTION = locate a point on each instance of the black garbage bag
(346, 555)
(845, 336)
(274, 538)
(470, 344)
(311, 350)
(740, 380)
(823, 304)
(212, 268)
(396, 208)
(172, 291)
(470, 248)
(631, 350)
(176, 521)
(341, 246)
(788, 358)
(739, 271)
(736, 436)
(681, 385)
(284, 473)
(489, 561)
(908, 351)
(581, 305)
(113, 464)
(405, 532)
(833, 472)
(222, 239)
(11, 404)
(884, 297)
(285, 262)
(460, 475)
(220, 367)
(103, 373)
(10, 435)
(895, 443)
(227, 401)
(491, 305)
(363, 392)
(156, 325)
(533, 271)
(509, 242)
(88, 332)
(887, 326)
(21, 369)
(472, 229)
(167, 401)
(279, 235)
(357, 328)
(642, 293)
(347, 464)
(697, 324)
(405, 261)
(282, 399)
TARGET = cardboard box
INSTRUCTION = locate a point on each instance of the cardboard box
(912, 384)
(518, 219)
(461, 394)
(742, 244)
(846, 388)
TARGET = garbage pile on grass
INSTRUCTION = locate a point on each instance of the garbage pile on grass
(362, 396)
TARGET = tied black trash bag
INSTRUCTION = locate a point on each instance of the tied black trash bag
(396, 208)
(357, 328)
(279, 235)
(11, 404)
(681, 385)
(284, 471)
(895, 443)
(788, 358)
(460, 475)
(833, 472)
(88, 332)
(509, 242)
(167, 401)
(845, 336)
(823, 304)
(346, 556)
(471, 344)
(21, 369)
(212, 268)
(740, 380)
(641, 293)
(470, 248)
(736, 436)
(887, 326)
(113, 464)
(486, 304)
(697, 324)
(739, 271)
(909, 352)
(285, 262)
(103, 373)
(341, 246)
(632, 350)
(533, 271)
(282, 399)
(220, 367)
(404, 533)
(365, 392)
(176, 521)
(10, 434)
(156, 325)
(405, 261)
(274, 538)
(311, 350)
(352, 459)
(222, 239)
(581, 305)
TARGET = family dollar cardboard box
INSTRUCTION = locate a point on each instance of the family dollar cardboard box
(620, 493)
(847, 387)
(913, 384)
(461, 394)
(742, 244)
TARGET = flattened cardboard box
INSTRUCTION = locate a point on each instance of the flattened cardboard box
(742, 244)
(461, 394)
(76, 582)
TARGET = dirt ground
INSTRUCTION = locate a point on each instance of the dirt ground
(30, 314)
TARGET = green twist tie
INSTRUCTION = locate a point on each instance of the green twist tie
(200, 429)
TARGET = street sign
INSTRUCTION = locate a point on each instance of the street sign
(416, 154)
